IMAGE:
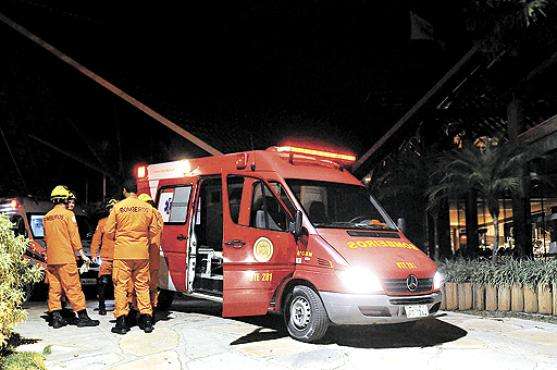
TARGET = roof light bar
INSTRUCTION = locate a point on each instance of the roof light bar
(317, 153)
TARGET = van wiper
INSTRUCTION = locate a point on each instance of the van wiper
(334, 224)
(374, 227)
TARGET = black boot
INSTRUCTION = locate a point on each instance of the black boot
(145, 323)
(57, 320)
(120, 327)
(131, 318)
(84, 320)
(101, 286)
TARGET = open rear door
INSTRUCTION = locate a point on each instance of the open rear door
(259, 252)
(175, 203)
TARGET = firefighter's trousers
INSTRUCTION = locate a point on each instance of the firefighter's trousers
(153, 290)
(64, 279)
(154, 287)
(136, 271)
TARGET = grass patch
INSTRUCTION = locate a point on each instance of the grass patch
(12, 360)
(23, 361)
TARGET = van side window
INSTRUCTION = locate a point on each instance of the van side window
(235, 186)
(208, 223)
(173, 203)
(37, 226)
(266, 211)
(279, 189)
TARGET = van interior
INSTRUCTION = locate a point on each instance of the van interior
(206, 256)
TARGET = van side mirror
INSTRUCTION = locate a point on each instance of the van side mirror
(296, 226)
(401, 224)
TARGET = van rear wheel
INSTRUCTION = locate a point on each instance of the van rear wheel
(305, 316)
(166, 297)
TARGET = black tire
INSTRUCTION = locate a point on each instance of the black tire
(305, 316)
(166, 297)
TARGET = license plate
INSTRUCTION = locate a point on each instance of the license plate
(419, 310)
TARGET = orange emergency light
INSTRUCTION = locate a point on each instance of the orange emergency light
(316, 153)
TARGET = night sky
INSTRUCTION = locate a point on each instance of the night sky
(240, 75)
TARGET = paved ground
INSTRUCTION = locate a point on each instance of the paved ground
(193, 336)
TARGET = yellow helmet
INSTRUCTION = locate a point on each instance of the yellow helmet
(145, 198)
(71, 196)
(110, 203)
(60, 192)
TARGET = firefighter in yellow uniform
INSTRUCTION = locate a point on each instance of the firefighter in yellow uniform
(132, 226)
(103, 246)
(154, 252)
(63, 241)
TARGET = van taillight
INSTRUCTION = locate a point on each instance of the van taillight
(141, 172)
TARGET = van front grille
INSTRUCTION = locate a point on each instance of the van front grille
(397, 286)
(409, 301)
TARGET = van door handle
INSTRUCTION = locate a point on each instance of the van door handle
(181, 237)
(235, 243)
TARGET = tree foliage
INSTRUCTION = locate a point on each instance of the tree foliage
(15, 273)
(502, 24)
(492, 172)
(400, 183)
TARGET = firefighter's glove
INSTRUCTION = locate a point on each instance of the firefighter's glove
(85, 266)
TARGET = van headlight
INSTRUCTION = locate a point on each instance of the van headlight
(360, 280)
(438, 280)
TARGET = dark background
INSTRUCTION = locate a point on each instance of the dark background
(240, 75)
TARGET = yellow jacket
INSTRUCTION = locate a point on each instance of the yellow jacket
(61, 235)
(132, 225)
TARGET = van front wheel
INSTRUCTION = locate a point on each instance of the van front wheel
(305, 315)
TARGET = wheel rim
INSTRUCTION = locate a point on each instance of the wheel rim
(300, 312)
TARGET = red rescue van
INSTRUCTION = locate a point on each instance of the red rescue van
(286, 230)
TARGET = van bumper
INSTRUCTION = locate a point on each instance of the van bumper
(366, 309)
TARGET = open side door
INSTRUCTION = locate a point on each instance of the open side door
(175, 202)
(259, 251)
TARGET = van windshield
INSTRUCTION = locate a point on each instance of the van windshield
(335, 205)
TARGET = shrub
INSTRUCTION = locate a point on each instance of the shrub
(505, 272)
(15, 273)
(24, 360)
(458, 271)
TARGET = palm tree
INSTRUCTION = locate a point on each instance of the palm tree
(492, 171)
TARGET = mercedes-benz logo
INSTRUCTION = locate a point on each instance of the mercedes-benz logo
(412, 282)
